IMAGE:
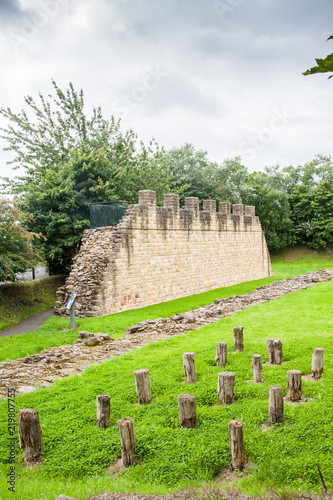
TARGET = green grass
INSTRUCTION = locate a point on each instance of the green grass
(304, 253)
(51, 333)
(19, 300)
(76, 452)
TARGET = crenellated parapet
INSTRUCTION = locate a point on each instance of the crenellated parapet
(171, 216)
(160, 253)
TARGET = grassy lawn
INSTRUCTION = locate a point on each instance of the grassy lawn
(51, 333)
(76, 453)
(19, 300)
(172, 457)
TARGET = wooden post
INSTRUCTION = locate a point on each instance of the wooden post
(294, 384)
(30, 435)
(187, 411)
(189, 367)
(238, 338)
(226, 387)
(237, 448)
(103, 410)
(126, 429)
(256, 368)
(317, 362)
(221, 354)
(275, 405)
(142, 385)
(274, 348)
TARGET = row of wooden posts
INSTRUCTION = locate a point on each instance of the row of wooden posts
(30, 434)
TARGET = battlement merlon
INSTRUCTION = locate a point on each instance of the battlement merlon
(171, 216)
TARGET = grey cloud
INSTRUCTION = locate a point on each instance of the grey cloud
(226, 77)
(9, 8)
(178, 91)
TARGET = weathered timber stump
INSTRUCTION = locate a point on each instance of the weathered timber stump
(256, 368)
(237, 448)
(142, 385)
(275, 405)
(274, 348)
(189, 367)
(187, 410)
(294, 385)
(30, 435)
(317, 362)
(226, 387)
(221, 354)
(103, 410)
(238, 338)
(126, 429)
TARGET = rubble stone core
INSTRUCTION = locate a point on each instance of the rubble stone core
(157, 254)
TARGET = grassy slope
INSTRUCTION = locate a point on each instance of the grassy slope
(76, 452)
(51, 334)
(19, 300)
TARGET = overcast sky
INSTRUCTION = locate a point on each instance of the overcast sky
(225, 75)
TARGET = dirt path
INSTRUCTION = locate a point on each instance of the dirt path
(40, 370)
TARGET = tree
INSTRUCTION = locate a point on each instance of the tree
(195, 175)
(301, 214)
(311, 174)
(323, 65)
(233, 181)
(192, 173)
(55, 129)
(322, 208)
(272, 206)
(61, 203)
(16, 252)
(70, 161)
(312, 214)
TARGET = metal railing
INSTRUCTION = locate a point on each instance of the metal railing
(107, 213)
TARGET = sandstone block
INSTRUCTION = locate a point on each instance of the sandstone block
(91, 341)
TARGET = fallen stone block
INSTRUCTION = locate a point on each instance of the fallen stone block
(91, 341)
(85, 335)
(25, 389)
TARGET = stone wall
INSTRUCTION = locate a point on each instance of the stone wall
(157, 254)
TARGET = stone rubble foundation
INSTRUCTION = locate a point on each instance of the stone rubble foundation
(40, 370)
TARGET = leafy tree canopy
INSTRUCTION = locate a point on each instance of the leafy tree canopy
(272, 207)
(192, 173)
(16, 252)
(69, 161)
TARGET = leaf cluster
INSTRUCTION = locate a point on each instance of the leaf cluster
(16, 251)
(323, 65)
